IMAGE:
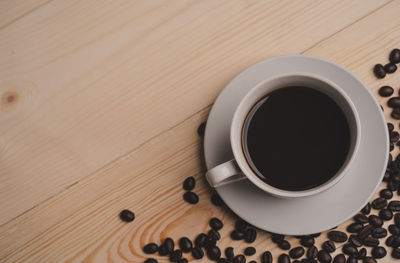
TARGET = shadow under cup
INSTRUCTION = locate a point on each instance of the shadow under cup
(282, 152)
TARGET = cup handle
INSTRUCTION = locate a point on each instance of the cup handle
(225, 173)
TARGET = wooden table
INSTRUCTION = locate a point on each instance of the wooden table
(101, 100)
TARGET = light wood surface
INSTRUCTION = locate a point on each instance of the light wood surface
(101, 100)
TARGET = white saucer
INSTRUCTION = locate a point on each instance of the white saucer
(309, 214)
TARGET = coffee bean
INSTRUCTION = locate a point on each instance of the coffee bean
(354, 228)
(266, 257)
(215, 223)
(324, 257)
(396, 178)
(375, 220)
(389, 241)
(362, 253)
(175, 256)
(349, 249)
(394, 56)
(213, 253)
(394, 230)
(315, 235)
(252, 261)
(126, 215)
(366, 209)
(169, 245)
(361, 218)
(394, 136)
(201, 129)
(378, 252)
(216, 200)
(296, 252)
(307, 241)
(284, 244)
(394, 206)
(395, 115)
(390, 126)
(237, 235)
(212, 237)
(200, 240)
(249, 251)
(369, 260)
(328, 246)
(391, 145)
(390, 68)
(197, 253)
(379, 203)
(370, 242)
(396, 241)
(241, 225)
(239, 259)
(250, 235)
(396, 253)
(340, 258)
(150, 248)
(337, 236)
(379, 232)
(386, 214)
(283, 258)
(151, 260)
(229, 253)
(386, 193)
(352, 259)
(185, 244)
(355, 241)
(366, 231)
(191, 198)
(392, 186)
(386, 177)
(385, 91)
(276, 238)
(379, 71)
(312, 252)
(189, 183)
(397, 219)
(183, 260)
(162, 250)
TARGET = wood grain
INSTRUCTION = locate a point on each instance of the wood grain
(93, 80)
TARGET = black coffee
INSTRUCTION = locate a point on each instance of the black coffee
(296, 138)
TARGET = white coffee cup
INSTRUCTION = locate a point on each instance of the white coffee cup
(238, 168)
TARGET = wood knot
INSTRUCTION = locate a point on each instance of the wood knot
(9, 98)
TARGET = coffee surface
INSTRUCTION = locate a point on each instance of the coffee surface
(295, 138)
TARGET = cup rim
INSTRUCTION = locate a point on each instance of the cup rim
(248, 172)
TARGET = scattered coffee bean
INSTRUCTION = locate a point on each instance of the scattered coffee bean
(394, 206)
(150, 248)
(396, 178)
(239, 259)
(283, 258)
(229, 253)
(375, 220)
(379, 232)
(284, 244)
(241, 225)
(379, 71)
(379, 203)
(396, 241)
(212, 238)
(162, 250)
(361, 218)
(397, 219)
(366, 231)
(213, 253)
(328, 246)
(389, 241)
(324, 257)
(390, 68)
(349, 249)
(378, 252)
(312, 252)
(354, 227)
(223, 260)
(169, 245)
(394, 136)
(151, 260)
(185, 244)
(395, 115)
(237, 235)
(215, 223)
(250, 235)
(392, 186)
(307, 241)
(396, 253)
(266, 257)
(385, 91)
(191, 198)
(391, 145)
(201, 129)
(216, 200)
(394, 230)
(340, 258)
(386, 214)
(197, 253)
(253, 261)
(369, 260)
(386, 193)
(296, 252)
(390, 126)
(370, 242)
(183, 260)
(315, 235)
(366, 209)
(276, 238)
(126, 215)
(386, 176)
(175, 256)
(355, 241)
(362, 253)
(200, 240)
(337, 236)
(189, 183)
(352, 259)
(394, 56)
(249, 251)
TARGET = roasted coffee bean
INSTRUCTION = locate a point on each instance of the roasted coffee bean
(266, 257)
(352, 259)
(191, 197)
(211, 239)
(391, 145)
(127, 215)
(151, 260)
(379, 71)
(379, 232)
(354, 227)
(390, 126)
(349, 249)
(386, 193)
(369, 260)
(337, 236)
(201, 129)
(213, 253)
(389, 241)
(375, 220)
(283, 258)
(249, 251)
(324, 257)
(237, 235)
(200, 240)
(214, 234)
(189, 183)
(396, 241)
(175, 256)
(169, 245)
(362, 253)
(392, 186)
(150, 248)
(215, 223)
(197, 252)
(223, 260)
(296, 252)
(386, 176)
(284, 244)
(395, 115)
(183, 260)
(394, 136)
(394, 206)
(185, 244)
(366, 231)
(340, 258)
(397, 219)
(312, 252)
(250, 235)
(252, 261)
(276, 238)
(378, 252)
(239, 259)
(396, 253)
(370, 242)
(385, 91)
(216, 200)
(355, 241)
(394, 230)
(366, 209)
(328, 246)
(390, 68)
(229, 253)
(361, 218)
(379, 203)
(241, 225)
(394, 56)
(307, 241)
(315, 235)
(396, 178)
(162, 250)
